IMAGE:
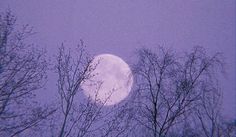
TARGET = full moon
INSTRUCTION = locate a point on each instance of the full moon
(111, 80)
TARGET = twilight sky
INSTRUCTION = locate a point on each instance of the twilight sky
(121, 26)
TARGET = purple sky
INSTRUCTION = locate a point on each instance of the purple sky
(121, 26)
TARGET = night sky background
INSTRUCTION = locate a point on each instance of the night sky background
(120, 27)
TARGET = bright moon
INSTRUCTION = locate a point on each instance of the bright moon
(111, 81)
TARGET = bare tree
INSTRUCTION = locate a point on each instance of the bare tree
(151, 74)
(208, 107)
(170, 87)
(78, 113)
(205, 119)
(81, 115)
(22, 71)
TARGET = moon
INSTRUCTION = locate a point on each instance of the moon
(111, 80)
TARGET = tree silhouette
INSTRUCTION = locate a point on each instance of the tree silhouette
(174, 95)
(171, 87)
(22, 71)
(78, 114)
